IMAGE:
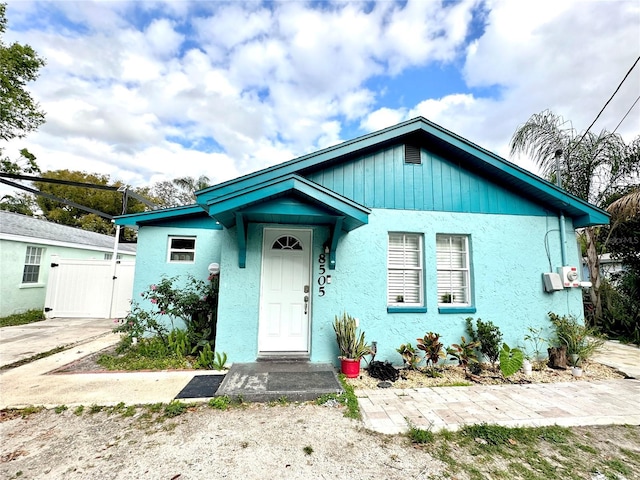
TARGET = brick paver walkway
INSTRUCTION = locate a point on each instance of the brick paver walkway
(576, 403)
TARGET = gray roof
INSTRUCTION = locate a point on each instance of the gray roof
(23, 225)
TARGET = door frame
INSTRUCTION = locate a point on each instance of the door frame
(284, 230)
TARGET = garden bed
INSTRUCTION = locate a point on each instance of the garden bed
(451, 375)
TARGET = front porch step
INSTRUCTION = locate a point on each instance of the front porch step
(270, 381)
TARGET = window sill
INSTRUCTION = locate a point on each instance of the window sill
(32, 285)
(466, 309)
(397, 309)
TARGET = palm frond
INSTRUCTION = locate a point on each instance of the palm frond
(627, 206)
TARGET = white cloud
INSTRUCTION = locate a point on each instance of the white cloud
(242, 86)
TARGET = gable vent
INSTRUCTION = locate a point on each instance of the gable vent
(412, 155)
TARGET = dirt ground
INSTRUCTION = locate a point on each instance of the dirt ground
(253, 442)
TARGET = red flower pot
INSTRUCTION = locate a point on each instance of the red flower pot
(350, 367)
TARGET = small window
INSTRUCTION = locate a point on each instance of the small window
(452, 254)
(32, 260)
(404, 265)
(412, 155)
(109, 256)
(182, 249)
(286, 243)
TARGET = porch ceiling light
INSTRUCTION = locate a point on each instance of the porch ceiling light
(214, 268)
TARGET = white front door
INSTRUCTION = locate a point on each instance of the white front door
(285, 291)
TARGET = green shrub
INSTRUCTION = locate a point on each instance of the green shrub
(488, 335)
(578, 338)
(621, 307)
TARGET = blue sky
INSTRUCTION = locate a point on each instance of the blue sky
(152, 91)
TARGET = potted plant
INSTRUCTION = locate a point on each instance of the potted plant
(578, 339)
(351, 344)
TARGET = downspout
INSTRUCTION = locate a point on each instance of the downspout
(563, 233)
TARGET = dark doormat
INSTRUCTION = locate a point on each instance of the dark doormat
(201, 386)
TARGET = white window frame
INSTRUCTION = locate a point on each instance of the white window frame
(449, 268)
(392, 289)
(32, 258)
(171, 250)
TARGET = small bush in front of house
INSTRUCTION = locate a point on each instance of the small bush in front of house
(488, 335)
(195, 304)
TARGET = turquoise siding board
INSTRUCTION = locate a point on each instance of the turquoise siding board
(382, 180)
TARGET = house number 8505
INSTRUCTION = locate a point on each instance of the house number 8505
(322, 279)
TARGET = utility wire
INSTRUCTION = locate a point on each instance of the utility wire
(605, 106)
(625, 115)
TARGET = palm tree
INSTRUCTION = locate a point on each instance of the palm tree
(592, 167)
(626, 207)
(190, 185)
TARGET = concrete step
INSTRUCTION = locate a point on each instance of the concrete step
(272, 381)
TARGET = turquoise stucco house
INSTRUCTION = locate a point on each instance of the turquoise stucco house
(409, 229)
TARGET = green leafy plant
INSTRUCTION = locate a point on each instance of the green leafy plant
(420, 435)
(464, 352)
(178, 342)
(536, 342)
(351, 343)
(432, 347)
(220, 363)
(60, 408)
(175, 408)
(409, 355)
(308, 450)
(578, 338)
(447, 298)
(175, 302)
(220, 403)
(206, 358)
(510, 360)
(489, 337)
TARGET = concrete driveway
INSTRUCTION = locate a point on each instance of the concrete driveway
(23, 341)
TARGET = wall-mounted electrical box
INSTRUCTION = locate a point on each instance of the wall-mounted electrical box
(569, 276)
(552, 282)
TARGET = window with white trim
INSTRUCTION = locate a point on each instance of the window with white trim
(404, 266)
(32, 259)
(452, 257)
(182, 250)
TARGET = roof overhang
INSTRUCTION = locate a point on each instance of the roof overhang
(188, 216)
(289, 200)
(440, 140)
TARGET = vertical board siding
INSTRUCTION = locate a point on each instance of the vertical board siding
(383, 180)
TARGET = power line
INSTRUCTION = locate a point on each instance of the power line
(605, 105)
(625, 115)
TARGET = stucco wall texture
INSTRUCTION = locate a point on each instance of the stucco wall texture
(508, 258)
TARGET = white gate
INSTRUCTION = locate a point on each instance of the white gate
(89, 288)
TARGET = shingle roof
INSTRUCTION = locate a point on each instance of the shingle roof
(23, 225)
